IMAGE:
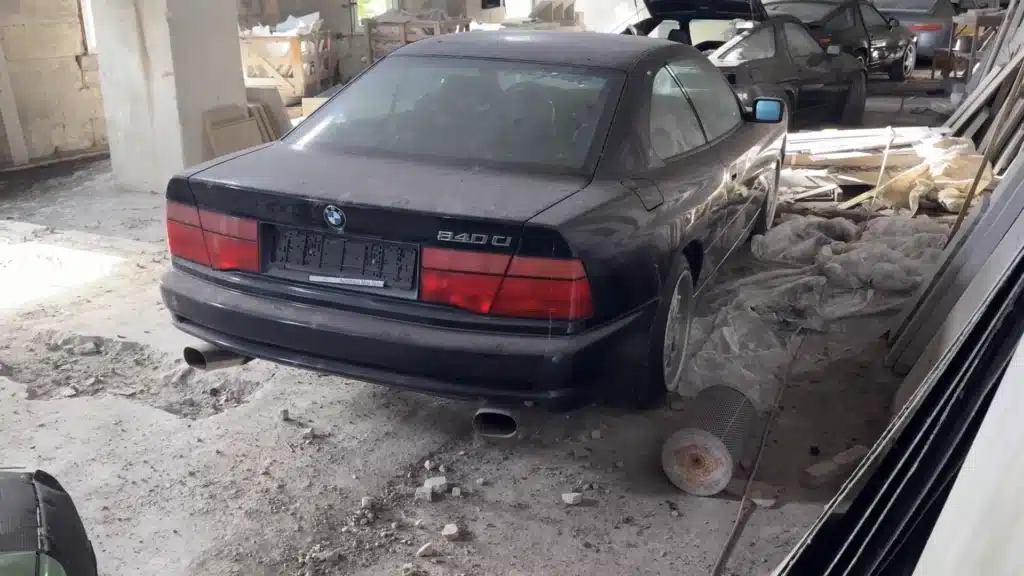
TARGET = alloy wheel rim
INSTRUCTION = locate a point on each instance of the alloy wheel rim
(677, 332)
(909, 59)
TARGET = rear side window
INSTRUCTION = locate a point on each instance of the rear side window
(674, 126)
(801, 43)
(841, 21)
(872, 18)
(469, 111)
(712, 97)
(757, 46)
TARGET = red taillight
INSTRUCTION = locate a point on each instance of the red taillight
(498, 284)
(825, 41)
(216, 240)
(925, 27)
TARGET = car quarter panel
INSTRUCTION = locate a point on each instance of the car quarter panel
(629, 250)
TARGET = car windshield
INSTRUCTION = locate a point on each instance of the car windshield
(915, 5)
(469, 111)
(804, 11)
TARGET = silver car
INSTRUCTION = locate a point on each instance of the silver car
(930, 20)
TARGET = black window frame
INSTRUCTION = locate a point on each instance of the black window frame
(705, 63)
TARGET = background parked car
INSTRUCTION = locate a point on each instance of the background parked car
(756, 51)
(930, 20)
(880, 43)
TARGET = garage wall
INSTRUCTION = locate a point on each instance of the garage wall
(55, 82)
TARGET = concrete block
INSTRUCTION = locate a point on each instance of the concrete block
(833, 470)
(43, 39)
(89, 62)
(851, 456)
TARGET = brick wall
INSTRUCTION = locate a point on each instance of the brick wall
(56, 84)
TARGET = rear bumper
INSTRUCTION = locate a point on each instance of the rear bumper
(559, 372)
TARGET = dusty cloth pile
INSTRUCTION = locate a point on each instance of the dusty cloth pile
(905, 167)
(816, 273)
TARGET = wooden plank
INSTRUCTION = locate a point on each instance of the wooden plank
(1010, 151)
(956, 118)
(271, 98)
(1014, 119)
(9, 115)
(256, 112)
(976, 124)
(983, 94)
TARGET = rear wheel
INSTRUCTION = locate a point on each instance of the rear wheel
(668, 344)
(672, 327)
(904, 67)
(856, 101)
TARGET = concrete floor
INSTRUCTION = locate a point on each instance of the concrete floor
(177, 472)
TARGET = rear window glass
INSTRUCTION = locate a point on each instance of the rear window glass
(804, 11)
(469, 111)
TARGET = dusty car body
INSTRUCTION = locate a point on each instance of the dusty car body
(757, 51)
(881, 43)
(930, 20)
(538, 238)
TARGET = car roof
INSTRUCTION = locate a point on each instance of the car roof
(615, 51)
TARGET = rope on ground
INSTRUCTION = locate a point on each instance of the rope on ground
(746, 505)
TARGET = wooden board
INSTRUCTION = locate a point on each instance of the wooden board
(309, 105)
(1014, 119)
(1010, 151)
(274, 106)
(235, 136)
(266, 131)
(9, 115)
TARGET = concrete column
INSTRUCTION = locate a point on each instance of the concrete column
(162, 64)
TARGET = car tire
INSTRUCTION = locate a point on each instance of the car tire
(766, 216)
(856, 101)
(648, 390)
(904, 67)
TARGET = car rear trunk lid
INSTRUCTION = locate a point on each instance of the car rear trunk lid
(361, 223)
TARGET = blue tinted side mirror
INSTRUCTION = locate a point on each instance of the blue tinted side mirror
(768, 110)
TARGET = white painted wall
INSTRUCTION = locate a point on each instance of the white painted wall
(610, 15)
(162, 67)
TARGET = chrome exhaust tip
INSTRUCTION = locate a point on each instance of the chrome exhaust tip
(209, 357)
(492, 422)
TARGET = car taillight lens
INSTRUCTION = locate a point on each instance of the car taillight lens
(925, 27)
(503, 285)
(216, 240)
(825, 40)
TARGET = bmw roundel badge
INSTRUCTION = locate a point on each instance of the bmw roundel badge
(334, 217)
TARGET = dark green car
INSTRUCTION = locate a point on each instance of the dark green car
(41, 533)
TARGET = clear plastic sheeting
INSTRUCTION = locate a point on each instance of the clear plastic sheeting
(810, 272)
